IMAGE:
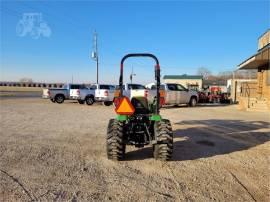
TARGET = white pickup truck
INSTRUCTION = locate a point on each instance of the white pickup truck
(176, 94)
(59, 95)
(134, 90)
(95, 93)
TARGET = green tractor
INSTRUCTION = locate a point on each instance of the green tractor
(138, 121)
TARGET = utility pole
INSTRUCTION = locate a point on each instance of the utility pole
(131, 75)
(234, 84)
(95, 52)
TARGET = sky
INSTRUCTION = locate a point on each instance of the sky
(56, 45)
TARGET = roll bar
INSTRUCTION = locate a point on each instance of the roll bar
(157, 73)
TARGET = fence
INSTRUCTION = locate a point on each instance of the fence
(37, 85)
(249, 89)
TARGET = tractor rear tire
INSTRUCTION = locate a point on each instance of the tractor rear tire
(115, 140)
(164, 148)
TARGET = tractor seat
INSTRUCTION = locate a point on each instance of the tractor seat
(140, 105)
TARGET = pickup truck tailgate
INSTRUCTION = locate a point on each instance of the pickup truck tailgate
(138, 93)
(74, 93)
(104, 95)
(45, 93)
(150, 94)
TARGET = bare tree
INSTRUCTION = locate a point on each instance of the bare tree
(225, 75)
(204, 72)
(246, 74)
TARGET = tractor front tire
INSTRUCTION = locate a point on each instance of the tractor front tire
(164, 148)
(115, 140)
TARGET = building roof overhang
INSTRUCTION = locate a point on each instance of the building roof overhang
(258, 60)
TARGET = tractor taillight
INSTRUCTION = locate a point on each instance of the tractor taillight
(161, 101)
(162, 97)
(106, 93)
(161, 93)
(116, 101)
(78, 92)
(117, 93)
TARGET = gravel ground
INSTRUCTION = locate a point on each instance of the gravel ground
(57, 152)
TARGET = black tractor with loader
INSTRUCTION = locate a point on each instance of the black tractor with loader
(138, 120)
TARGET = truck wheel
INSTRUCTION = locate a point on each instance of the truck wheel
(193, 102)
(115, 140)
(81, 102)
(59, 99)
(107, 103)
(52, 100)
(89, 100)
(164, 148)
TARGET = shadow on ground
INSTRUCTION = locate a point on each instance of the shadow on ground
(198, 105)
(207, 138)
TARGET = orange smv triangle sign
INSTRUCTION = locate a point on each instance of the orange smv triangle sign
(125, 107)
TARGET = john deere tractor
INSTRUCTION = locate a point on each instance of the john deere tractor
(138, 121)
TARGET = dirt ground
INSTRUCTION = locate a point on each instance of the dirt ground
(57, 152)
